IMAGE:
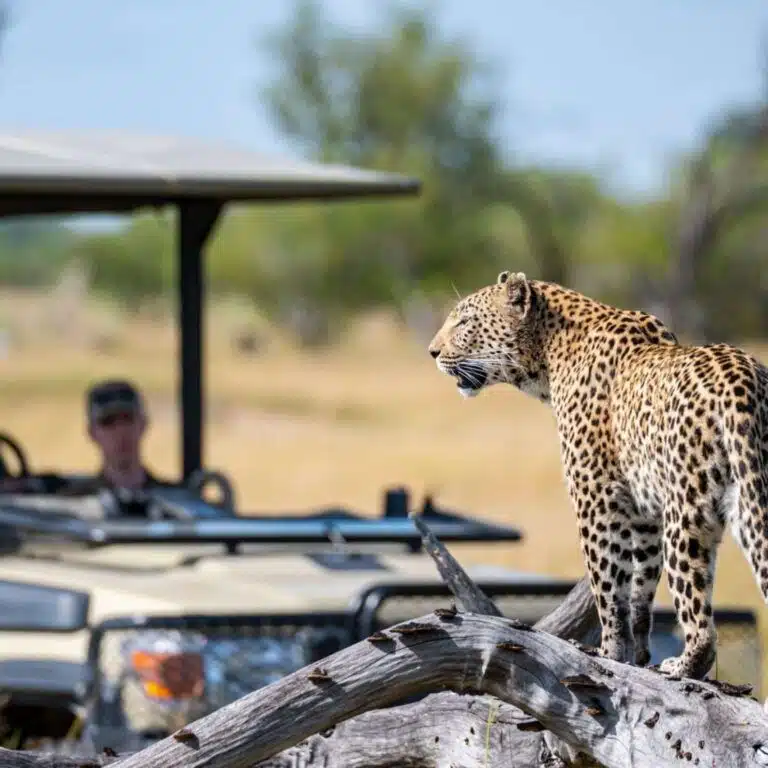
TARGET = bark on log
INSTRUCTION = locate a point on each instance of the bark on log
(469, 595)
(446, 719)
(613, 713)
(451, 720)
(574, 619)
(441, 730)
(551, 703)
(440, 719)
(19, 759)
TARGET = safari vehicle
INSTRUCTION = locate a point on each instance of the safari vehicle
(119, 628)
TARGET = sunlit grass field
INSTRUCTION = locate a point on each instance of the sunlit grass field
(297, 430)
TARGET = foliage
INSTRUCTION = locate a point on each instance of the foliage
(132, 265)
(403, 96)
(402, 99)
(724, 186)
(33, 251)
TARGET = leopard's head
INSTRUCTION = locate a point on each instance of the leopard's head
(490, 337)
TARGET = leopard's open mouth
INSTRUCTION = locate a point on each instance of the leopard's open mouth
(470, 378)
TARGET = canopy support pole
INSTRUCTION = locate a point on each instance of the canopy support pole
(196, 221)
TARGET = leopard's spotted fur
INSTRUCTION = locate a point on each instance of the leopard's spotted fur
(662, 445)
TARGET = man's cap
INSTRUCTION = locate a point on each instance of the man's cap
(110, 397)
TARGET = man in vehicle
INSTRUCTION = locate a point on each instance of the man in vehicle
(117, 421)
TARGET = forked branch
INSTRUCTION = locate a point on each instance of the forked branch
(521, 697)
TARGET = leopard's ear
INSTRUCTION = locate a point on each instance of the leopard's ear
(520, 296)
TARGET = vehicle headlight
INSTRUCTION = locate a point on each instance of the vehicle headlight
(177, 668)
(170, 666)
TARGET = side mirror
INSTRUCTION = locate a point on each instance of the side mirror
(36, 608)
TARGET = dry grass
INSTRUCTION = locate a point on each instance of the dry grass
(295, 431)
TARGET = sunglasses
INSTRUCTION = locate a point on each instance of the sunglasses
(117, 418)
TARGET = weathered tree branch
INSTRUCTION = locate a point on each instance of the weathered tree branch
(550, 703)
(447, 717)
(616, 714)
(442, 729)
(469, 595)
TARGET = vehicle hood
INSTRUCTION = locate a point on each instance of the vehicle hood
(157, 580)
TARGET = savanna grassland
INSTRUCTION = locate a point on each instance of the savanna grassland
(299, 429)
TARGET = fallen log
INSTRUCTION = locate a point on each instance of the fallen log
(441, 730)
(445, 719)
(521, 697)
(445, 728)
(612, 713)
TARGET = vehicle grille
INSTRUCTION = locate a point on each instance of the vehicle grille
(387, 604)
(232, 655)
(527, 608)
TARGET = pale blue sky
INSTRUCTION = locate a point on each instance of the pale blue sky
(609, 84)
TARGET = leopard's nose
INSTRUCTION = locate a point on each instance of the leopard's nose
(434, 352)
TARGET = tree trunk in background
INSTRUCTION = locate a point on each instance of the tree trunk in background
(683, 312)
(726, 184)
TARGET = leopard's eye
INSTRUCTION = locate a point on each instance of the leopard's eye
(462, 321)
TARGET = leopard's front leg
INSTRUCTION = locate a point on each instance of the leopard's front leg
(605, 511)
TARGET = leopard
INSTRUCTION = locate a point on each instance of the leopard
(663, 447)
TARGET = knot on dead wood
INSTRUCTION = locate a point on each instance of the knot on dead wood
(599, 668)
(690, 688)
(679, 753)
(319, 675)
(511, 647)
(532, 726)
(415, 628)
(548, 759)
(589, 650)
(582, 681)
(730, 689)
(520, 625)
(186, 736)
(447, 614)
(652, 720)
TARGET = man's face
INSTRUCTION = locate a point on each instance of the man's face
(118, 435)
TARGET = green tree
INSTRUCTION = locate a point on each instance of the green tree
(719, 190)
(556, 208)
(132, 265)
(404, 98)
(33, 250)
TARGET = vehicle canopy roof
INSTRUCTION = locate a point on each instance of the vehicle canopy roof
(76, 172)
(80, 172)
